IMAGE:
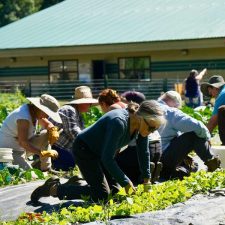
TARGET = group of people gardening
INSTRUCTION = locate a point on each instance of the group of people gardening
(136, 141)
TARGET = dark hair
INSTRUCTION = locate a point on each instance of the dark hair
(134, 96)
(193, 73)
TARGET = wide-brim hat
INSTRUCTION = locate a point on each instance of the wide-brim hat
(216, 81)
(48, 104)
(83, 95)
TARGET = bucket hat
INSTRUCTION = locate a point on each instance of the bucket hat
(83, 95)
(216, 81)
(48, 104)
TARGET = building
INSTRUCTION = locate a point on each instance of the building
(123, 39)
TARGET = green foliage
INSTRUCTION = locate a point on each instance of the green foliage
(92, 116)
(13, 176)
(11, 10)
(202, 115)
(46, 4)
(9, 102)
(159, 197)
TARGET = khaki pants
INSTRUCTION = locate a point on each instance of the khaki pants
(39, 141)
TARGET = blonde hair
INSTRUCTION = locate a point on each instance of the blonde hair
(109, 97)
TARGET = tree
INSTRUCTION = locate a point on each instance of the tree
(11, 10)
(48, 3)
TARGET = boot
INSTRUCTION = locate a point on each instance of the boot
(156, 172)
(44, 190)
(152, 168)
(75, 180)
(213, 164)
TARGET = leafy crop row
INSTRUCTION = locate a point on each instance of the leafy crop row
(159, 197)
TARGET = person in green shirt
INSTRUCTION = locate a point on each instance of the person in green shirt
(95, 149)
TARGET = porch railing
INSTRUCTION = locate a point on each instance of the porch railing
(64, 90)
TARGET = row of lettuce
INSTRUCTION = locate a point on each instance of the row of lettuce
(120, 206)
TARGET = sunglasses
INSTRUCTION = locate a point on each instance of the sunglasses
(150, 128)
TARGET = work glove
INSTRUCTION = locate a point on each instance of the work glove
(53, 135)
(49, 153)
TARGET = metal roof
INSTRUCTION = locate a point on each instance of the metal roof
(93, 22)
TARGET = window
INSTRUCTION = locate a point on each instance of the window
(63, 70)
(134, 68)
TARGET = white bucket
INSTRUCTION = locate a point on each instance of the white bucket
(220, 151)
(6, 155)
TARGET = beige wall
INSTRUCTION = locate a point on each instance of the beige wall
(159, 52)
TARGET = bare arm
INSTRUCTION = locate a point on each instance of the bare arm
(23, 127)
(201, 74)
(45, 123)
(212, 123)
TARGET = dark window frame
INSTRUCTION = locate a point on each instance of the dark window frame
(63, 63)
(134, 69)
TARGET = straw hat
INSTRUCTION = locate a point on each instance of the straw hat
(216, 81)
(83, 95)
(48, 104)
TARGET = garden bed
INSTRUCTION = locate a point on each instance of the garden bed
(15, 200)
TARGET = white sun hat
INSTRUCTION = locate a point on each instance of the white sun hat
(83, 95)
(48, 104)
